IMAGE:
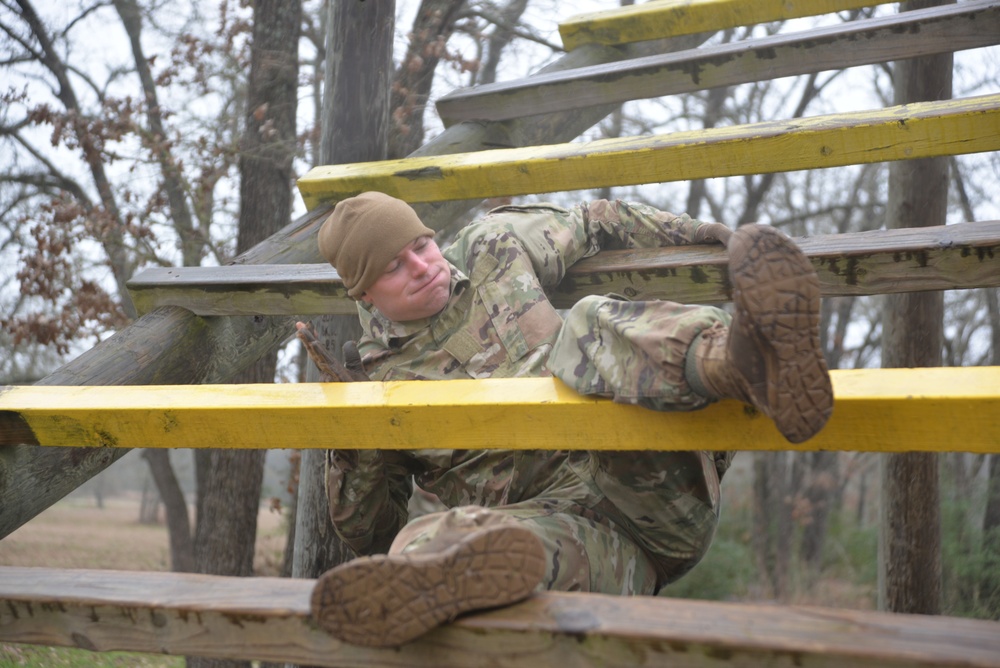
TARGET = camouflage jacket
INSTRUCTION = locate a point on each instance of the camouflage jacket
(498, 323)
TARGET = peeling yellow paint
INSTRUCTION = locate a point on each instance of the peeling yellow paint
(669, 18)
(920, 130)
(888, 410)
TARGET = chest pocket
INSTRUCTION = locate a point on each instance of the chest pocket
(517, 307)
(503, 319)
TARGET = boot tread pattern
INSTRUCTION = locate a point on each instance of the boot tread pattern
(387, 600)
(776, 294)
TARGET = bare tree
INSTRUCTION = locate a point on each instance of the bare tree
(102, 164)
(128, 216)
(433, 26)
(504, 31)
(73, 207)
(192, 250)
(910, 545)
(230, 480)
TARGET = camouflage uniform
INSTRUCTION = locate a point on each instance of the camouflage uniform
(610, 522)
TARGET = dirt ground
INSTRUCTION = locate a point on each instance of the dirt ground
(75, 533)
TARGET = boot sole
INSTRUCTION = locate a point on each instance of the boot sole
(387, 600)
(776, 295)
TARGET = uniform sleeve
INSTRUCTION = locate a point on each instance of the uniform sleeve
(368, 495)
(554, 238)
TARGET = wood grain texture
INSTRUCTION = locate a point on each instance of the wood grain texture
(958, 256)
(967, 25)
(268, 619)
(904, 132)
(880, 410)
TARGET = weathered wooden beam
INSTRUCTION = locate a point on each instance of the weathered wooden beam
(175, 346)
(653, 20)
(881, 410)
(919, 130)
(950, 257)
(268, 619)
(967, 25)
(302, 289)
(965, 255)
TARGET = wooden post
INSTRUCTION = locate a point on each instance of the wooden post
(912, 336)
(355, 129)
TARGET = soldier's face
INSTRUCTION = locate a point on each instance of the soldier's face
(415, 283)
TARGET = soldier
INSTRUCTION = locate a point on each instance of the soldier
(521, 521)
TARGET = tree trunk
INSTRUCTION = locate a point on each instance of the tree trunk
(148, 502)
(355, 129)
(822, 497)
(990, 590)
(178, 521)
(288, 556)
(226, 531)
(772, 536)
(501, 36)
(913, 333)
(411, 87)
(192, 243)
(99, 484)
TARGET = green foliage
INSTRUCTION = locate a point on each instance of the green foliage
(847, 577)
(851, 550)
(970, 562)
(848, 574)
(725, 574)
(989, 591)
(34, 656)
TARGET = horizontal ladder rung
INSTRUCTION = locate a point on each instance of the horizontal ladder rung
(669, 18)
(262, 289)
(918, 130)
(959, 256)
(888, 410)
(268, 619)
(924, 32)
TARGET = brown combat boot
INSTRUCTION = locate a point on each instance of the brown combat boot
(389, 599)
(770, 356)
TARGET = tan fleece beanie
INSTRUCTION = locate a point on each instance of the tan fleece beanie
(364, 234)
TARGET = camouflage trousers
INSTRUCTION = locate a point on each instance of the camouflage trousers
(611, 522)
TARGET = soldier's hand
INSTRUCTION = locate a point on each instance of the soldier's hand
(352, 360)
(708, 233)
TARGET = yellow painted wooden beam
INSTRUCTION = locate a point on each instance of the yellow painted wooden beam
(268, 619)
(946, 409)
(903, 132)
(669, 18)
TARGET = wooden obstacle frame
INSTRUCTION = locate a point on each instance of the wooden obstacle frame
(268, 618)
